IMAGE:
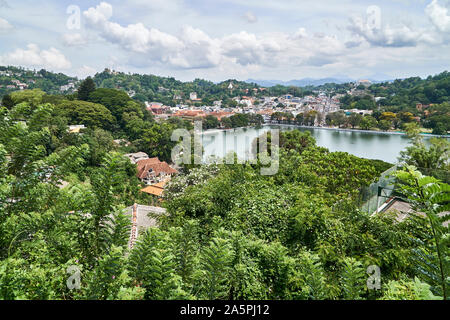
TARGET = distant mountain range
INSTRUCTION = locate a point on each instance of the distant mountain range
(310, 81)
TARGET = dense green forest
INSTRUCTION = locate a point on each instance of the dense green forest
(230, 232)
(402, 96)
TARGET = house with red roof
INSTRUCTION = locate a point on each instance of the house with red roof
(158, 108)
(151, 171)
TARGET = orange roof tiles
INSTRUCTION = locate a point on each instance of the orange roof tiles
(220, 114)
(190, 113)
(157, 188)
(154, 166)
(153, 190)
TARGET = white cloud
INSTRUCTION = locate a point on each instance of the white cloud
(5, 26)
(387, 36)
(203, 41)
(134, 37)
(192, 48)
(33, 56)
(246, 48)
(85, 71)
(199, 50)
(74, 39)
(439, 16)
(99, 14)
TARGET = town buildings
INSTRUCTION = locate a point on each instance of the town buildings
(321, 102)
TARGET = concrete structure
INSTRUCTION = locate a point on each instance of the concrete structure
(142, 217)
(135, 157)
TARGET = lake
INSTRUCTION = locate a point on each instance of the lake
(370, 145)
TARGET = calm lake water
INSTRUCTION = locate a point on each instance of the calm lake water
(385, 147)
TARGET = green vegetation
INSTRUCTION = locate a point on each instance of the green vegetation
(408, 100)
(430, 196)
(146, 87)
(230, 232)
(49, 82)
(85, 89)
(242, 120)
(427, 99)
(432, 160)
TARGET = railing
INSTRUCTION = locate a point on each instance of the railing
(371, 198)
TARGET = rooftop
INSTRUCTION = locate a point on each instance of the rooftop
(154, 166)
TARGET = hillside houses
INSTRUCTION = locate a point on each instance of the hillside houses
(151, 170)
(364, 82)
(20, 85)
(68, 87)
(265, 106)
(155, 174)
(157, 108)
(194, 98)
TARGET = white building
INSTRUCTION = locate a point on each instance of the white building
(135, 157)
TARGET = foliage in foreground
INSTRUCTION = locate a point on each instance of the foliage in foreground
(230, 233)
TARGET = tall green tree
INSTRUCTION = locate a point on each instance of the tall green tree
(7, 101)
(431, 197)
(85, 89)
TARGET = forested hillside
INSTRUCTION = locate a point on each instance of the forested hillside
(32, 79)
(404, 94)
(229, 232)
(428, 99)
(171, 91)
(397, 96)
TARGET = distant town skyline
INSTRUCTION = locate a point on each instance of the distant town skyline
(234, 39)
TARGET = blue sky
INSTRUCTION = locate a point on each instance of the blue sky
(222, 39)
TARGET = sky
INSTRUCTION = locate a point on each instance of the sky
(229, 39)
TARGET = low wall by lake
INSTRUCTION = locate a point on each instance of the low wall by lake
(355, 130)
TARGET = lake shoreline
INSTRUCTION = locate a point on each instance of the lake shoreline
(355, 130)
(217, 130)
(366, 144)
(211, 131)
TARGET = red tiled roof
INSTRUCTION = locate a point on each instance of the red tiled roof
(220, 114)
(154, 166)
(144, 162)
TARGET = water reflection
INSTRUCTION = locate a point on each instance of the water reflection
(385, 147)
